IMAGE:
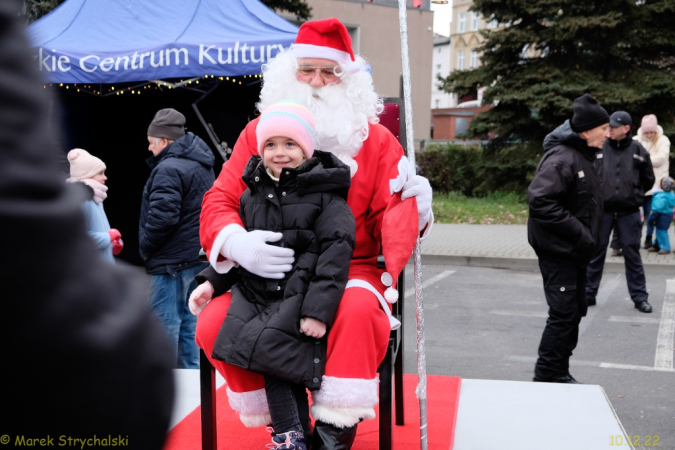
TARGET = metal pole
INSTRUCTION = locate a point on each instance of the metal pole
(421, 355)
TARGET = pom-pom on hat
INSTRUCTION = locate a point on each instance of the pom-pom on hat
(325, 39)
(649, 123)
(290, 120)
(400, 229)
(84, 165)
(588, 114)
(667, 184)
(168, 123)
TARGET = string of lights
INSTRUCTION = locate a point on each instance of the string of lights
(105, 90)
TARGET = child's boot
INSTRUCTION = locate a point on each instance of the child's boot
(290, 440)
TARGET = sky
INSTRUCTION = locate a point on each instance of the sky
(442, 17)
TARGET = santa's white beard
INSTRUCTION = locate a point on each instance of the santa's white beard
(342, 111)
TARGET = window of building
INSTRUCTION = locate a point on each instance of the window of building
(474, 21)
(474, 59)
(461, 126)
(493, 24)
(355, 34)
(462, 22)
(460, 60)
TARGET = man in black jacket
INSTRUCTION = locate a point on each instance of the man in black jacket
(168, 237)
(626, 173)
(564, 227)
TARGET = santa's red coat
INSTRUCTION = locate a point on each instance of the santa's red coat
(358, 340)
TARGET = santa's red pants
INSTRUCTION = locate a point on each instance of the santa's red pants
(357, 343)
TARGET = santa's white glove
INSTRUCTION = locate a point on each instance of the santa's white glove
(252, 252)
(419, 187)
(200, 297)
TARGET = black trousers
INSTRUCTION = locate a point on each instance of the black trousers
(630, 230)
(288, 404)
(564, 286)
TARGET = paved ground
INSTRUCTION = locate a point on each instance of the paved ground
(503, 246)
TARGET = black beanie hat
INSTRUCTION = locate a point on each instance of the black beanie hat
(588, 114)
(168, 123)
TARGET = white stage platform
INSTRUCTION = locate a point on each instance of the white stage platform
(500, 415)
(517, 415)
(187, 393)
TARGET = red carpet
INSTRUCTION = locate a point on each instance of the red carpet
(442, 401)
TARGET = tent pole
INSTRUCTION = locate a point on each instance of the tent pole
(207, 127)
(421, 390)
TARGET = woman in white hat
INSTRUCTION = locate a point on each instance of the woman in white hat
(90, 171)
(650, 135)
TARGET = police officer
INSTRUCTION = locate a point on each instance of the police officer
(626, 173)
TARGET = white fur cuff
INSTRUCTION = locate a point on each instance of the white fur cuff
(341, 417)
(248, 403)
(218, 243)
(344, 402)
(255, 420)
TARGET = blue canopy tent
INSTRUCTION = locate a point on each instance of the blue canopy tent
(121, 41)
(108, 47)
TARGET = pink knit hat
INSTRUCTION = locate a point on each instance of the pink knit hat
(649, 123)
(290, 120)
(83, 165)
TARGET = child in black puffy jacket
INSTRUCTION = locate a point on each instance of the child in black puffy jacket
(298, 196)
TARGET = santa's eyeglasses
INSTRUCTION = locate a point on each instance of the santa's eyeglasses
(328, 73)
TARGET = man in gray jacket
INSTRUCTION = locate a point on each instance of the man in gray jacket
(168, 238)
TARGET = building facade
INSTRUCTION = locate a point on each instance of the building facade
(441, 67)
(452, 122)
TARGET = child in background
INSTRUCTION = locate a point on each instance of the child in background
(90, 171)
(298, 197)
(663, 202)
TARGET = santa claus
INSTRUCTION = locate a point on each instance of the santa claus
(321, 72)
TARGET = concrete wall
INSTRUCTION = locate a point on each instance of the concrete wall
(378, 41)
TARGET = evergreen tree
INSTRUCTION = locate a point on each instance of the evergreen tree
(301, 10)
(34, 9)
(551, 51)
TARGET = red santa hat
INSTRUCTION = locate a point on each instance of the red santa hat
(326, 39)
(400, 229)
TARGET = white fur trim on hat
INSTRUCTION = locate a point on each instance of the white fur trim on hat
(344, 402)
(320, 52)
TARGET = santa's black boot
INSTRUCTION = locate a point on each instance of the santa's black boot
(330, 437)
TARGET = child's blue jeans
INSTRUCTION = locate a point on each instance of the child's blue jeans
(661, 222)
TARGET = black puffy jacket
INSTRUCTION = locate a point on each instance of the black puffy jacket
(626, 173)
(168, 231)
(309, 207)
(566, 213)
